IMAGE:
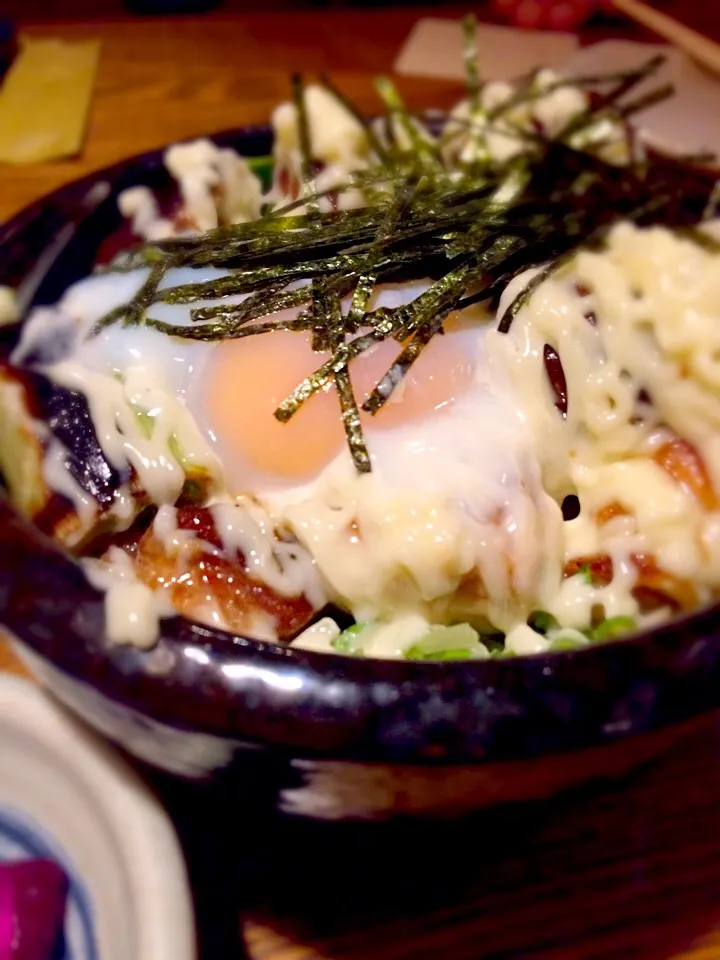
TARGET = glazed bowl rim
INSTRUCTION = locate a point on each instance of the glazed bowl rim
(384, 710)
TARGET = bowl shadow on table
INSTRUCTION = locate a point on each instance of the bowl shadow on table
(627, 868)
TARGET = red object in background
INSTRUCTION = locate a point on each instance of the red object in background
(169, 7)
(547, 14)
(32, 909)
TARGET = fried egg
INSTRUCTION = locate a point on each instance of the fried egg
(452, 520)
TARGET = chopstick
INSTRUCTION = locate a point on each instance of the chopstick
(702, 49)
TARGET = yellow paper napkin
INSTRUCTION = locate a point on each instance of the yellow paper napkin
(45, 99)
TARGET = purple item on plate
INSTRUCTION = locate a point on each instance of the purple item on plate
(32, 909)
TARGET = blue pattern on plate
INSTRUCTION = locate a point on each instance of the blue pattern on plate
(22, 839)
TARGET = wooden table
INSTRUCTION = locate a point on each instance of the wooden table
(631, 871)
(164, 79)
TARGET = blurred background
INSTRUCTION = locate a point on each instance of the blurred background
(599, 15)
(704, 16)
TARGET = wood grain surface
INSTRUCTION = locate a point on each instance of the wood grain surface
(163, 79)
(629, 871)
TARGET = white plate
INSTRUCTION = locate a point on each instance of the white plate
(66, 795)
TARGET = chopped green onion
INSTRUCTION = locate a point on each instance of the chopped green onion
(452, 654)
(542, 621)
(262, 167)
(503, 654)
(350, 640)
(613, 627)
(565, 643)
(146, 421)
(459, 642)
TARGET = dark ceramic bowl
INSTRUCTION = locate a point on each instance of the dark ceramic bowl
(344, 736)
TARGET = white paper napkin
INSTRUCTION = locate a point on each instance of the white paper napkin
(434, 49)
(689, 121)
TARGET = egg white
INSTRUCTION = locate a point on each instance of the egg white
(453, 494)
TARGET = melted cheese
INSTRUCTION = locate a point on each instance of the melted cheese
(339, 143)
(139, 205)
(217, 186)
(132, 610)
(638, 320)
(337, 137)
(452, 523)
(460, 520)
(318, 636)
(285, 566)
(140, 424)
(58, 478)
(502, 134)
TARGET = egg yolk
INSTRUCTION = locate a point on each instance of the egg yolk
(248, 379)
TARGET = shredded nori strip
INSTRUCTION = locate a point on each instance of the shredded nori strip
(470, 56)
(372, 136)
(348, 404)
(366, 282)
(465, 231)
(306, 155)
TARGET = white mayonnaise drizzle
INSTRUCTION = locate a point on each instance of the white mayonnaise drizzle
(501, 136)
(58, 478)
(217, 186)
(522, 640)
(318, 636)
(138, 204)
(140, 424)
(131, 614)
(171, 536)
(132, 610)
(460, 518)
(454, 501)
(339, 141)
(285, 566)
(655, 298)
